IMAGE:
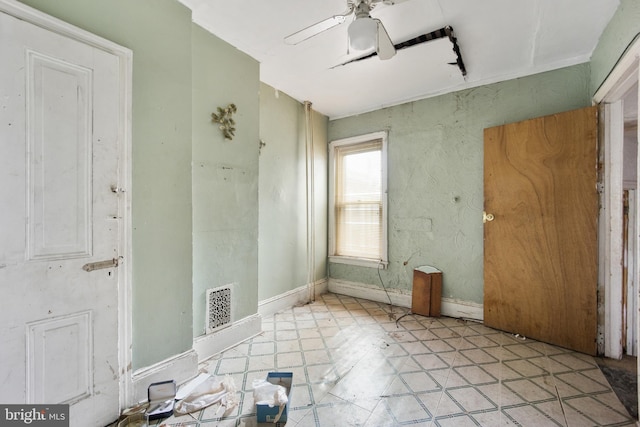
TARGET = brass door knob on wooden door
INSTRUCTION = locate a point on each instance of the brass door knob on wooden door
(487, 217)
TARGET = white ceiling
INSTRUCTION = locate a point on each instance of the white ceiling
(498, 39)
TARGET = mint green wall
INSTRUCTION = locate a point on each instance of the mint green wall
(283, 204)
(436, 174)
(159, 34)
(623, 28)
(225, 177)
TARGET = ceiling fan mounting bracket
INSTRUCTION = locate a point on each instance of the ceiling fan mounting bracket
(362, 10)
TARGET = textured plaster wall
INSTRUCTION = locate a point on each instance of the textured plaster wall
(623, 28)
(283, 262)
(436, 174)
(159, 34)
(225, 177)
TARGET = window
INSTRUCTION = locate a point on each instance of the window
(358, 200)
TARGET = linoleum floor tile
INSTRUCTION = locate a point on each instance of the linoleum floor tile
(363, 363)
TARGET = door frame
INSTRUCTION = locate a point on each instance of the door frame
(125, 62)
(610, 227)
(610, 94)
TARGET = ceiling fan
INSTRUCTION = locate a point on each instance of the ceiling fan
(365, 32)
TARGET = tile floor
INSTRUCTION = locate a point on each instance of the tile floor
(353, 364)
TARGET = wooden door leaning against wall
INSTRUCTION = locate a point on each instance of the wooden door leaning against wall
(540, 248)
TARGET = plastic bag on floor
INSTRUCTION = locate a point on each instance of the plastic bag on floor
(209, 392)
(265, 393)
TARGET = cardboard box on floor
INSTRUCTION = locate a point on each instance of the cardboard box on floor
(266, 414)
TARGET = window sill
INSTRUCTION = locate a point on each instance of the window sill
(360, 262)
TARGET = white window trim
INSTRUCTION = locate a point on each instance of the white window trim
(362, 262)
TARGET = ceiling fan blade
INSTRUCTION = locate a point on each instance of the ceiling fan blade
(316, 29)
(386, 49)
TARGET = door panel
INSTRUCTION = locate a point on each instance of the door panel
(59, 145)
(540, 253)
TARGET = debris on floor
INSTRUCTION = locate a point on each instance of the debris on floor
(209, 391)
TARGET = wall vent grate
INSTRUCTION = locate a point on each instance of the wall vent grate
(218, 308)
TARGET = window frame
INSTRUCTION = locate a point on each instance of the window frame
(359, 261)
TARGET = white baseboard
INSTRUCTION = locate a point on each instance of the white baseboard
(181, 368)
(370, 292)
(292, 298)
(449, 307)
(211, 344)
(462, 309)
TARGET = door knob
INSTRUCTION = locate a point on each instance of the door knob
(487, 217)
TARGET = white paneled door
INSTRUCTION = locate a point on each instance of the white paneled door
(58, 223)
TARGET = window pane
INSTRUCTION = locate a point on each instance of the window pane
(361, 175)
(359, 230)
(358, 200)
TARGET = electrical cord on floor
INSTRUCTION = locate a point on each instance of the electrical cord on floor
(391, 315)
(471, 319)
(408, 313)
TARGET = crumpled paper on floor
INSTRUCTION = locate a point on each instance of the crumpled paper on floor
(209, 392)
